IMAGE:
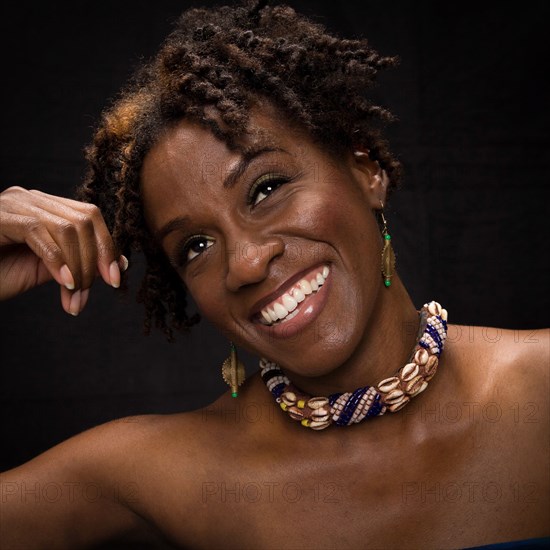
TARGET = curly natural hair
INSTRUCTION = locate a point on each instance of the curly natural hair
(219, 60)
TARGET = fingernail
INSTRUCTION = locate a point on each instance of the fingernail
(114, 274)
(74, 306)
(66, 276)
(84, 298)
(123, 262)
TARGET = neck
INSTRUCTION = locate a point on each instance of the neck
(385, 346)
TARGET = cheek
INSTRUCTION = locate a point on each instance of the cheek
(343, 219)
(212, 308)
(207, 297)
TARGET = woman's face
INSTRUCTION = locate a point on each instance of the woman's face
(280, 230)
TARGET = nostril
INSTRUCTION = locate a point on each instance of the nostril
(249, 262)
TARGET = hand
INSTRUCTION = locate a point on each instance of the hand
(44, 237)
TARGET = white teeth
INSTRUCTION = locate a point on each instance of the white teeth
(298, 295)
(290, 316)
(289, 302)
(280, 311)
(272, 314)
(306, 287)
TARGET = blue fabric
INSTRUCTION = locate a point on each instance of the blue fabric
(526, 544)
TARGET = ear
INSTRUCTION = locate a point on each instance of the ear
(372, 178)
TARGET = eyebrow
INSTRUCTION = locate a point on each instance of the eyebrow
(247, 157)
(176, 223)
(231, 179)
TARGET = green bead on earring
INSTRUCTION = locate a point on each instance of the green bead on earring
(388, 255)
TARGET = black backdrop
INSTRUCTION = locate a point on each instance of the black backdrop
(469, 225)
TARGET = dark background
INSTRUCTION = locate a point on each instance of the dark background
(469, 225)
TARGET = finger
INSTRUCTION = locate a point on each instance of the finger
(81, 221)
(32, 232)
(56, 241)
(44, 232)
(74, 302)
(79, 237)
(70, 300)
(98, 250)
(105, 254)
(77, 234)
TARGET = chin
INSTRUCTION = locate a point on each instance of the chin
(317, 354)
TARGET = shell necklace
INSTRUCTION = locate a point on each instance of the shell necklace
(391, 394)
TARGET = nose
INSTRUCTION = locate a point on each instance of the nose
(249, 260)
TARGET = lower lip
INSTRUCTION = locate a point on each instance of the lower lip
(308, 311)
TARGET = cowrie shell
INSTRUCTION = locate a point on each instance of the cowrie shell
(317, 402)
(434, 308)
(295, 413)
(388, 384)
(431, 365)
(421, 357)
(288, 398)
(409, 371)
(413, 384)
(420, 389)
(393, 396)
(320, 416)
(399, 405)
(319, 425)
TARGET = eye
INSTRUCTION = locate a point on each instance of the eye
(194, 246)
(264, 186)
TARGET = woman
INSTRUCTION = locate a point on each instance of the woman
(232, 164)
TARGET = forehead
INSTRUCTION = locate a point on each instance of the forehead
(193, 146)
(188, 157)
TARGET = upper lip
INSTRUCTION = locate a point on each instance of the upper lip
(279, 291)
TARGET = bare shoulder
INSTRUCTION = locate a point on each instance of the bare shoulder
(505, 366)
(523, 357)
(101, 479)
(497, 351)
(501, 365)
(531, 345)
(525, 364)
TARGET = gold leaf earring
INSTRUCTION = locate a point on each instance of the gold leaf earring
(388, 255)
(233, 372)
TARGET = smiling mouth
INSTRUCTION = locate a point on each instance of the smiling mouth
(286, 306)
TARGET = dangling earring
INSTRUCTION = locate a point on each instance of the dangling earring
(388, 256)
(233, 371)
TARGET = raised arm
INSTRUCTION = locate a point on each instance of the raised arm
(77, 492)
(44, 237)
